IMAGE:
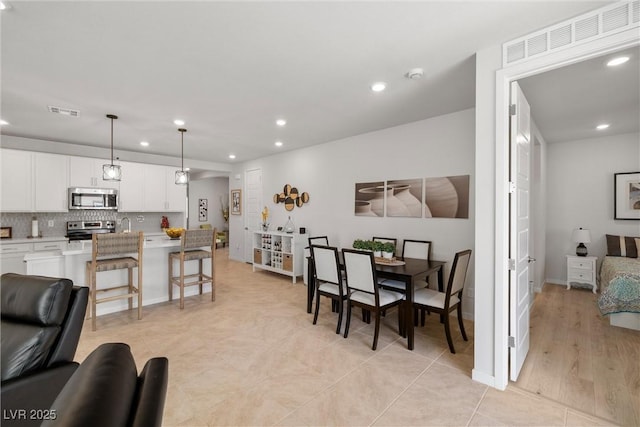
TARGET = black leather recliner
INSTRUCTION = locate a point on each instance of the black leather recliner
(106, 391)
(42, 318)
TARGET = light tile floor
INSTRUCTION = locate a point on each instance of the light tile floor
(254, 358)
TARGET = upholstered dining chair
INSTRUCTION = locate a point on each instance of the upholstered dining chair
(192, 243)
(446, 302)
(319, 240)
(115, 251)
(363, 290)
(328, 279)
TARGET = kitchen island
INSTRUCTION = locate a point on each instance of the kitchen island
(70, 262)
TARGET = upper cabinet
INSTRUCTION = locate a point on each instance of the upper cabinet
(150, 188)
(87, 172)
(51, 182)
(17, 181)
(38, 182)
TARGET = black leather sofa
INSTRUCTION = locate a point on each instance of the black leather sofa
(41, 321)
(106, 391)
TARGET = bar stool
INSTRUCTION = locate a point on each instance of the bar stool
(191, 244)
(105, 250)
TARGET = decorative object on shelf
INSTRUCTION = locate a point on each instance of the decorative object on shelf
(182, 176)
(289, 227)
(225, 211)
(203, 207)
(236, 202)
(291, 197)
(265, 217)
(5, 232)
(581, 236)
(164, 223)
(111, 172)
(626, 195)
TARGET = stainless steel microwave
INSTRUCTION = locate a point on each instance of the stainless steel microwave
(93, 198)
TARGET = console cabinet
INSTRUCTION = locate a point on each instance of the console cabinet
(279, 252)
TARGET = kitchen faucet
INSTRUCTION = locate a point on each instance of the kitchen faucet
(128, 230)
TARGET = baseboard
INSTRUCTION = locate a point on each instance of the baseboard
(556, 282)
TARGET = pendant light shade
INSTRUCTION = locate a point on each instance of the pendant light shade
(111, 172)
(182, 176)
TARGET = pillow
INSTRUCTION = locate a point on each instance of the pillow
(622, 246)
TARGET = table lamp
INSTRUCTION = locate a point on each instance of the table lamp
(581, 236)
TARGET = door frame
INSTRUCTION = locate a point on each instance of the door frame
(504, 77)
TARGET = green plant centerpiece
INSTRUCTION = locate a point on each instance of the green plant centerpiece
(388, 249)
(363, 245)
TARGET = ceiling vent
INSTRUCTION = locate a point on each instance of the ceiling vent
(64, 111)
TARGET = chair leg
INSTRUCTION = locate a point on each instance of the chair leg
(130, 283)
(464, 334)
(92, 293)
(181, 283)
(447, 331)
(213, 279)
(139, 290)
(87, 281)
(340, 309)
(170, 278)
(377, 331)
(423, 316)
(317, 310)
(346, 327)
(200, 274)
(415, 316)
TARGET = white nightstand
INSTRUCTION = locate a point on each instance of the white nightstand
(582, 269)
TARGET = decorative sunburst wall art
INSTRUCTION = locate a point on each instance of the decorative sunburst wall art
(291, 197)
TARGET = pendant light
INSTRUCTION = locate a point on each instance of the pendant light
(111, 172)
(182, 176)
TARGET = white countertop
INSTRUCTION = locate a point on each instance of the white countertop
(34, 240)
(151, 241)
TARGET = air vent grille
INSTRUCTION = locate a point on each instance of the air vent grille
(587, 28)
(615, 18)
(63, 111)
(560, 37)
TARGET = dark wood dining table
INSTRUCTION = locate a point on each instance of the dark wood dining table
(407, 273)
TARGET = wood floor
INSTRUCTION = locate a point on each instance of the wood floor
(578, 359)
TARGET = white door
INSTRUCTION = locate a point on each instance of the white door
(252, 209)
(519, 218)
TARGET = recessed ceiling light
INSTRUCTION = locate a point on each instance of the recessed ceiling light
(378, 86)
(178, 122)
(4, 5)
(278, 143)
(603, 126)
(3, 122)
(144, 143)
(617, 61)
(281, 122)
(232, 156)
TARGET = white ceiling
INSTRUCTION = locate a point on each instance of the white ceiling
(230, 69)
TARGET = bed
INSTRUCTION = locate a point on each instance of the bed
(620, 286)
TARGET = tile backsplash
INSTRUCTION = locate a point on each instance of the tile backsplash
(20, 223)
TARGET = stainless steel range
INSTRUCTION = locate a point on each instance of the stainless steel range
(84, 230)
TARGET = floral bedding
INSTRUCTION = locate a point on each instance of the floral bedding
(620, 284)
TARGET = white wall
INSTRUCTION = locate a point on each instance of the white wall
(212, 189)
(440, 146)
(580, 194)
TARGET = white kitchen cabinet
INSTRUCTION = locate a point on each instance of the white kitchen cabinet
(87, 172)
(17, 181)
(12, 257)
(155, 188)
(176, 194)
(51, 182)
(132, 188)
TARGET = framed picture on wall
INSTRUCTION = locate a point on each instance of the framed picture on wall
(202, 209)
(626, 195)
(236, 202)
